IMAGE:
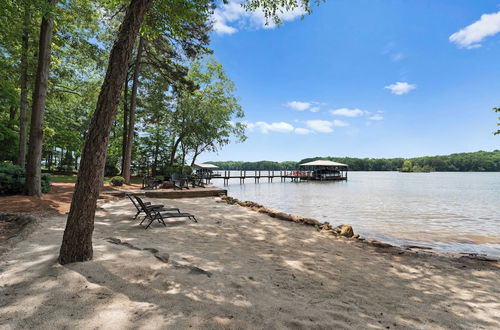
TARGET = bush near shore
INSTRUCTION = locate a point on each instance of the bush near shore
(12, 179)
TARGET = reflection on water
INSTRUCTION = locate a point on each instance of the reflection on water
(454, 212)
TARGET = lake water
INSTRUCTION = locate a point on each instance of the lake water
(450, 212)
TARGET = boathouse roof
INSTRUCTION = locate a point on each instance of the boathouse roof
(323, 163)
(208, 166)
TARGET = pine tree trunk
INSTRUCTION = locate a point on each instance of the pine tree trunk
(23, 104)
(133, 102)
(33, 167)
(155, 161)
(125, 121)
(77, 240)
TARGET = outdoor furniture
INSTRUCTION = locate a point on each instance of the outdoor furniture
(180, 182)
(150, 183)
(197, 181)
(147, 205)
(153, 214)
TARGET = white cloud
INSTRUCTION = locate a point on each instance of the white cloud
(297, 105)
(302, 106)
(470, 36)
(302, 131)
(227, 15)
(322, 126)
(400, 88)
(347, 112)
(339, 123)
(376, 117)
(280, 127)
(313, 126)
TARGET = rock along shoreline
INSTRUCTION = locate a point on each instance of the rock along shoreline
(324, 227)
(346, 232)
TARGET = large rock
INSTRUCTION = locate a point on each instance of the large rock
(376, 243)
(344, 230)
(162, 256)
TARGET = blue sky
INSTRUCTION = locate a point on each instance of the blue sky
(364, 78)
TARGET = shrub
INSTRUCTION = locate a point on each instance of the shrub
(176, 168)
(12, 180)
(117, 181)
(110, 169)
(46, 183)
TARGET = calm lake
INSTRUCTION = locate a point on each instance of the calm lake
(450, 212)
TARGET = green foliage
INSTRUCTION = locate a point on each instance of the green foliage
(12, 180)
(409, 167)
(272, 9)
(176, 168)
(8, 140)
(117, 181)
(110, 169)
(46, 179)
(187, 170)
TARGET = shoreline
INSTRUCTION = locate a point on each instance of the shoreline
(236, 269)
(326, 228)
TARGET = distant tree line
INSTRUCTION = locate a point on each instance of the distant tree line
(480, 161)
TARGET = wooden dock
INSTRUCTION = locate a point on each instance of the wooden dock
(294, 176)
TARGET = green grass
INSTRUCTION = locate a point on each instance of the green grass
(63, 178)
(72, 179)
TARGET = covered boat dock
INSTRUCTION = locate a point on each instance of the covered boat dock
(323, 170)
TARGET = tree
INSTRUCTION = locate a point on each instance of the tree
(33, 171)
(23, 78)
(497, 110)
(207, 114)
(77, 238)
(131, 125)
(179, 41)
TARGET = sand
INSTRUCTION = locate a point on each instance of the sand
(236, 269)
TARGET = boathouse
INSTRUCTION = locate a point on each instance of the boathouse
(205, 170)
(324, 170)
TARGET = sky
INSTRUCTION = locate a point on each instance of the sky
(363, 78)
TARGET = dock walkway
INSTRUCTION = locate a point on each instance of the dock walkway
(294, 176)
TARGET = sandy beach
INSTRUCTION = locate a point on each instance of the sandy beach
(236, 269)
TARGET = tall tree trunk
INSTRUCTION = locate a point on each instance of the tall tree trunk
(125, 121)
(23, 104)
(133, 102)
(77, 239)
(155, 161)
(174, 149)
(33, 167)
(184, 153)
(196, 154)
